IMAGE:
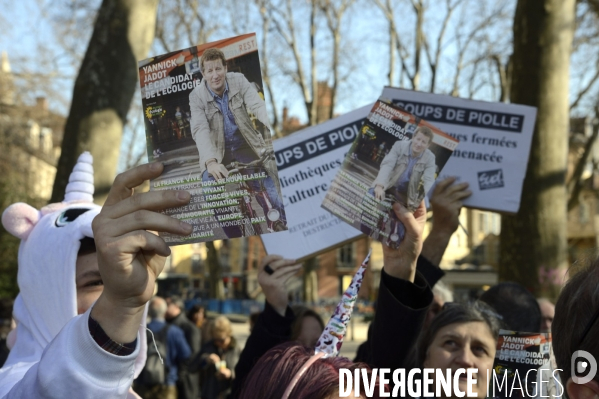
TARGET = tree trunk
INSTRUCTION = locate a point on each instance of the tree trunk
(533, 242)
(217, 288)
(123, 34)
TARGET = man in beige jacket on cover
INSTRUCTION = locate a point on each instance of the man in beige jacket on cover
(224, 132)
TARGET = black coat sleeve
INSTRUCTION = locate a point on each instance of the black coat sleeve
(430, 272)
(400, 314)
(270, 330)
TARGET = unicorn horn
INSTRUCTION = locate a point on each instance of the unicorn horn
(81, 180)
(331, 339)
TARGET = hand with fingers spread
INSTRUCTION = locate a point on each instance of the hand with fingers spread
(273, 284)
(130, 257)
(401, 262)
(446, 203)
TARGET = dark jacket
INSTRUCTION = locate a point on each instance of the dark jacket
(188, 385)
(177, 350)
(213, 387)
(270, 330)
(431, 274)
(400, 313)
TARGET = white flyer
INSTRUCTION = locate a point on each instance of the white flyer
(495, 140)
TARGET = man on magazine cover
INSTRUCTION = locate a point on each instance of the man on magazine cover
(407, 173)
(408, 163)
(223, 130)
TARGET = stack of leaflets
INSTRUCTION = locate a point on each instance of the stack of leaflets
(395, 158)
(206, 121)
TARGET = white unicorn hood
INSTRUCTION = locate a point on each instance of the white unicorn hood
(46, 276)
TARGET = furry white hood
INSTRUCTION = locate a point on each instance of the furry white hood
(47, 256)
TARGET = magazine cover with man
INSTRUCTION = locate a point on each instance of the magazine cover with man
(206, 121)
(395, 158)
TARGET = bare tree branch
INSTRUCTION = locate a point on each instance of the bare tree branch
(288, 33)
(585, 90)
(264, 58)
(462, 48)
(504, 73)
(419, 9)
(388, 12)
(575, 183)
(334, 17)
(434, 61)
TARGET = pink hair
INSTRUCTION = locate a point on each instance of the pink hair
(276, 368)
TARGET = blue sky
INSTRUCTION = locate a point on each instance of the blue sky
(30, 38)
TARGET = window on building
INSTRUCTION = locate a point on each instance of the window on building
(344, 282)
(345, 256)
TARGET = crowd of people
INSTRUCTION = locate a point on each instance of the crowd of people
(88, 324)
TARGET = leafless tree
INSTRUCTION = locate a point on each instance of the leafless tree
(184, 23)
(575, 182)
(266, 17)
(284, 22)
(473, 47)
(107, 79)
(585, 55)
(413, 73)
(430, 30)
(334, 11)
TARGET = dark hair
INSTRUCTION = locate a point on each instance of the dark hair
(425, 131)
(454, 312)
(518, 307)
(88, 246)
(276, 368)
(301, 312)
(575, 326)
(212, 54)
(6, 306)
(195, 309)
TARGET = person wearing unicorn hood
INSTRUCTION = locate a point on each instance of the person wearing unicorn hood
(85, 276)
